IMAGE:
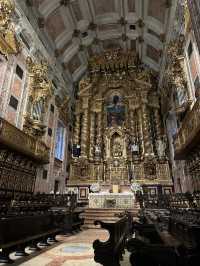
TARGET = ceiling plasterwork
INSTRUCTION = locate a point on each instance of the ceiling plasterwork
(78, 29)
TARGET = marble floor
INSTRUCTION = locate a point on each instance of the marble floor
(74, 250)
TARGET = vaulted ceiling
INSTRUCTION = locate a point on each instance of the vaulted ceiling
(77, 29)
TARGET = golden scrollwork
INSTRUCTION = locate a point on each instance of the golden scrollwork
(112, 60)
(174, 72)
(40, 92)
(144, 75)
(8, 42)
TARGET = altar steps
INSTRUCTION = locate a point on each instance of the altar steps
(106, 215)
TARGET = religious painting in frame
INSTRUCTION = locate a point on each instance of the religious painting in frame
(83, 193)
(167, 191)
(152, 191)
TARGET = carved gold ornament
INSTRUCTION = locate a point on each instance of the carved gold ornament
(117, 123)
(8, 42)
(175, 72)
(40, 92)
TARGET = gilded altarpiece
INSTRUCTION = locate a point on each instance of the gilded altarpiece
(118, 134)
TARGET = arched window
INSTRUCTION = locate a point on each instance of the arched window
(60, 142)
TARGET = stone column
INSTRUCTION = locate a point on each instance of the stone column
(77, 130)
(84, 134)
(92, 133)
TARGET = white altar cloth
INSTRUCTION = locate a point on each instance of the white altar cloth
(111, 200)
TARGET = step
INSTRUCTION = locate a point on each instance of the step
(111, 209)
(104, 214)
(107, 215)
(107, 211)
(109, 219)
(91, 226)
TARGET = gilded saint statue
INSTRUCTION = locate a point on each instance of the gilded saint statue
(97, 151)
(117, 148)
(161, 148)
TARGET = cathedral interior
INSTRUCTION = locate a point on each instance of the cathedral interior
(99, 132)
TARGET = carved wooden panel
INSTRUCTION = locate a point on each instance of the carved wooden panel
(17, 173)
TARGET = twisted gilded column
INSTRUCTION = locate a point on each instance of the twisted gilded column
(99, 128)
(148, 148)
(140, 131)
(157, 123)
(137, 125)
(77, 130)
(84, 133)
(92, 133)
(131, 116)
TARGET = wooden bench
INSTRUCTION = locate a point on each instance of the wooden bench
(31, 219)
(154, 246)
(110, 253)
(16, 233)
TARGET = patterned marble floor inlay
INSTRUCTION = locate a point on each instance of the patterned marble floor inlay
(74, 250)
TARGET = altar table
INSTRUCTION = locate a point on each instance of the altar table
(111, 200)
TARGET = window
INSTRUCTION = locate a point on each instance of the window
(60, 142)
(13, 102)
(190, 50)
(49, 131)
(197, 83)
(45, 172)
(54, 84)
(180, 96)
(132, 27)
(25, 41)
(84, 34)
(69, 147)
(56, 186)
(197, 87)
(19, 72)
(52, 108)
